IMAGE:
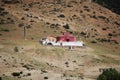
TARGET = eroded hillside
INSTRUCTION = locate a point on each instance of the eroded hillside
(85, 19)
(54, 16)
(90, 22)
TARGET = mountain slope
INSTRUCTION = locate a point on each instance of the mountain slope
(97, 26)
(50, 18)
(113, 5)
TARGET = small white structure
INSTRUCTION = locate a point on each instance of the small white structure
(45, 41)
(65, 39)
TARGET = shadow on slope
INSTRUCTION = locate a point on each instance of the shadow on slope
(113, 5)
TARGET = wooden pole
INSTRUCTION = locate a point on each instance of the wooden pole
(25, 33)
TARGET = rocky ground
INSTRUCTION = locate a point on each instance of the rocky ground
(37, 62)
(90, 22)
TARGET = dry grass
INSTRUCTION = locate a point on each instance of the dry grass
(57, 61)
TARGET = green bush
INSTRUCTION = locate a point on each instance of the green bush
(16, 49)
(82, 33)
(93, 42)
(29, 74)
(20, 24)
(10, 1)
(104, 29)
(4, 30)
(110, 34)
(109, 74)
(1, 9)
(0, 34)
(15, 74)
(45, 77)
(66, 26)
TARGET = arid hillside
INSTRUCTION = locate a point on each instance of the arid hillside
(56, 16)
(87, 20)
(97, 25)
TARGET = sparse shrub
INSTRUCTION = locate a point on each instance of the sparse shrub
(11, 21)
(16, 74)
(35, 17)
(32, 20)
(21, 72)
(83, 33)
(21, 25)
(45, 77)
(117, 23)
(66, 26)
(55, 10)
(32, 38)
(94, 12)
(106, 20)
(107, 28)
(5, 13)
(57, 1)
(8, 18)
(87, 9)
(85, 6)
(5, 30)
(43, 71)
(29, 74)
(44, 31)
(114, 32)
(74, 61)
(66, 62)
(102, 17)
(104, 29)
(0, 34)
(16, 49)
(10, 1)
(54, 25)
(30, 5)
(27, 9)
(109, 74)
(1, 9)
(2, 21)
(103, 40)
(93, 42)
(28, 66)
(114, 41)
(22, 18)
(28, 26)
(6, 21)
(110, 34)
(81, 11)
(61, 16)
(69, 5)
(75, 16)
(94, 16)
(93, 36)
(47, 23)
(75, 2)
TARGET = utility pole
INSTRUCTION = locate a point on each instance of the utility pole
(25, 33)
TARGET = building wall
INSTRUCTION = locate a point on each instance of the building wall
(66, 38)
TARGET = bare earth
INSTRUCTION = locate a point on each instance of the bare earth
(37, 62)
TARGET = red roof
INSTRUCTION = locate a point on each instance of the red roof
(66, 37)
